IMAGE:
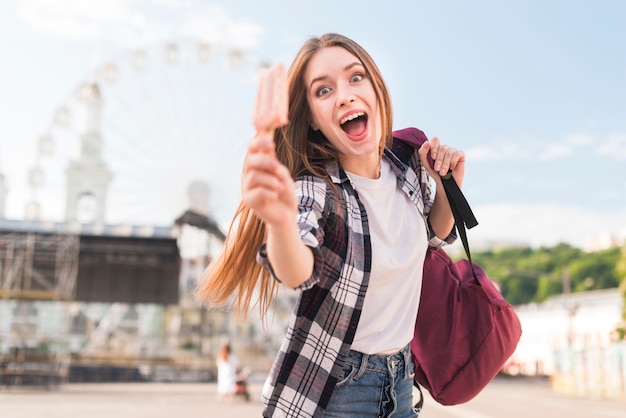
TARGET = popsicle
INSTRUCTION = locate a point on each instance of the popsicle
(271, 106)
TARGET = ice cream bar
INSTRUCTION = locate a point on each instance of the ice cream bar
(270, 111)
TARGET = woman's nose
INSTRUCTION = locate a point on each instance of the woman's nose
(345, 95)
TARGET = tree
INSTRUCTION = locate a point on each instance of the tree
(528, 275)
(621, 271)
(596, 270)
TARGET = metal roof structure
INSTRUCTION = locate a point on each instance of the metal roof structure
(88, 263)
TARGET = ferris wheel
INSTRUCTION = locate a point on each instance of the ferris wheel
(171, 119)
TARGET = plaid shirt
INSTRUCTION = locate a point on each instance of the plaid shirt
(327, 313)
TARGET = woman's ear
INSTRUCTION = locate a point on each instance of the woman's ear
(314, 125)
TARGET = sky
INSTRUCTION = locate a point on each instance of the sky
(534, 92)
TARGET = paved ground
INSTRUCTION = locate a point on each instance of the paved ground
(126, 400)
(191, 400)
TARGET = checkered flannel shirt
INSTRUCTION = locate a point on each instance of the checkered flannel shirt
(327, 313)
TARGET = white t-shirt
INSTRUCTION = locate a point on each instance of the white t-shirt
(399, 243)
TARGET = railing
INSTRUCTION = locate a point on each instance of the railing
(24, 368)
(592, 372)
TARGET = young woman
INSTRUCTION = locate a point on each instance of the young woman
(352, 238)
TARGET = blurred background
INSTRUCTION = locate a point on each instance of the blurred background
(123, 125)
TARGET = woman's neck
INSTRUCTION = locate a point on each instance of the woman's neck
(364, 167)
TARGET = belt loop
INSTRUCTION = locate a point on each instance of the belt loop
(407, 361)
(364, 360)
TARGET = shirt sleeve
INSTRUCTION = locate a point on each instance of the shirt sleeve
(311, 196)
(428, 196)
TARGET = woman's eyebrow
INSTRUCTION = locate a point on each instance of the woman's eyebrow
(324, 77)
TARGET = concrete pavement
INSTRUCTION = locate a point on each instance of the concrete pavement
(126, 400)
(502, 398)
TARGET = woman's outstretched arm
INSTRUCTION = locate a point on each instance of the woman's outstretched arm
(268, 190)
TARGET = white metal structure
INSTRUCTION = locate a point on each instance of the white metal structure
(158, 119)
(144, 137)
(38, 265)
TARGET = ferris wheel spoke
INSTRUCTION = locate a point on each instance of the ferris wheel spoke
(141, 103)
(166, 121)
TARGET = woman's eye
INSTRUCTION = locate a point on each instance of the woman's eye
(356, 77)
(323, 91)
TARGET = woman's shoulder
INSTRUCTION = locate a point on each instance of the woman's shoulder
(311, 181)
(403, 150)
(311, 190)
(321, 195)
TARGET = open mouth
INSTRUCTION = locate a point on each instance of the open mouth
(354, 124)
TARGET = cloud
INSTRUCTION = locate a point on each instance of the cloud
(218, 26)
(74, 19)
(482, 153)
(556, 151)
(614, 146)
(579, 139)
(134, 22)
(545, 224)
(577, 144)
(500, 151)
(6, 29)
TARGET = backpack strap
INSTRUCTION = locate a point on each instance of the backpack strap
(463, 215)
(420, 404)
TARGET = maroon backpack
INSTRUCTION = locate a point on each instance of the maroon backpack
(465, 330)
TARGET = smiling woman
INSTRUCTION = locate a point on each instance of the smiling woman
(334, 207)
(133, 136)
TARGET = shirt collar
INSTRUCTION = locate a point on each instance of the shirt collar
(338, 175)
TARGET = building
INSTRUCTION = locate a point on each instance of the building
(573, 340)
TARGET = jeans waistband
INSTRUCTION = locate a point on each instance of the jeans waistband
(380, 362)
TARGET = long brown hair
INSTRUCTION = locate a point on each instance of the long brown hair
(235, 271)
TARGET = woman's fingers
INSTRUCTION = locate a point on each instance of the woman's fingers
(445, 157)
(266, 184)
(261, 179)
(260, 162)
(261, 143)
(261, 150)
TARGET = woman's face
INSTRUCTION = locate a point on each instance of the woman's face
(345, 108)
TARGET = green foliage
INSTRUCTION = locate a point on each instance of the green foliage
(189, 345)
(596, 270)
(528, 275)
(621, 272)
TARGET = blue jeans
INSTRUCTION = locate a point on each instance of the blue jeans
(374, 386)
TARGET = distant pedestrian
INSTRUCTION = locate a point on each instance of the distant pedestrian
(227, 364)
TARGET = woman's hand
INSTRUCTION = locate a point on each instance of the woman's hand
(266, 186)
(445, 157)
